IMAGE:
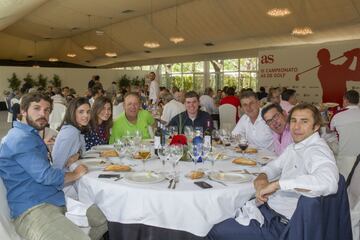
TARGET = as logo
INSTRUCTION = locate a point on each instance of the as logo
(265, 59)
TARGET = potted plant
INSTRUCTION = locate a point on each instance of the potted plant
(14, 82)
(42, 81)
(56, 82)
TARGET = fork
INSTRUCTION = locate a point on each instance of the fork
(118, 178)
(176, 180)
(170, 182)
(222, 183)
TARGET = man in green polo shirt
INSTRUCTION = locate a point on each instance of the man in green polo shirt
(132, 119)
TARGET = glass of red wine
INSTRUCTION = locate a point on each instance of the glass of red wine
(243, 144)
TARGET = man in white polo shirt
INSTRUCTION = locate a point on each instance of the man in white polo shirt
(251, 125)
(347, 125)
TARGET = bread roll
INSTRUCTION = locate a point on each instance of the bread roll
(118, 168)
(244, 161)
(196, 174)
(109, 153)
(251, 150)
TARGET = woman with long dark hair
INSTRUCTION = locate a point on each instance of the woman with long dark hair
(100, 123)
(70, 141)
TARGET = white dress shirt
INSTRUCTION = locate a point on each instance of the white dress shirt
(208, 103)
(57, 98)
(154, 91)
(347, 125)
(171, 109)
(310, 165)
(258, 134)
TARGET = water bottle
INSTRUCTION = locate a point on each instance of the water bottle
(197, 145)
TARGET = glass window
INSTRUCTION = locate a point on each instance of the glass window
(216, 65)
(199, 66)
(187, 68)
(231, 79)
(176, 67)
(248, 64)
(187, 81)
(198, 84)
(231, 65)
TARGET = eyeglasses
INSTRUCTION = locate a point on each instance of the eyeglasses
(273, 119)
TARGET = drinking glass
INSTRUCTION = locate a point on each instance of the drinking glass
(195, 153)
(144, 153)
(216, 135)
(137, 136)
(164, 154)
(189, 133)
(243, 144)
(120, 147)
(177, 152)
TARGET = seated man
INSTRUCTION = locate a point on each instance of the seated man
(288, 100)
(275, 117)
(132, 119)
(347, 125)
(251, 125)
(172, 106)
(34, 188)
(192, 116)
(306, 167)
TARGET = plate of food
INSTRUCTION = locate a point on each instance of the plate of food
(109, 153)
(95, 163)
(230, 177)
(144, 177)
(265, 159)
(249, 150)
(244, 161)
(100, 148)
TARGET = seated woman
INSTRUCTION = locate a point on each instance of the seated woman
(100, 123)
(70, 140)
(69, 144)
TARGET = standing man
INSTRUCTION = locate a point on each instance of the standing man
(34, 187)
(251, 125)
(275, 117)
(306, 167)
(192, 117)
(154, 89)
(346, 123)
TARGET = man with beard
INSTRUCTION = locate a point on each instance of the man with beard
(34, 188)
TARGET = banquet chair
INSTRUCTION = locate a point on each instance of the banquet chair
(227, 115)
(9, 113)
(345, 164)
(57, 115)
(7, 228)
(321, 218)
(353, 189)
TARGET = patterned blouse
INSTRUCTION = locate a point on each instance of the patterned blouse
(96, 137)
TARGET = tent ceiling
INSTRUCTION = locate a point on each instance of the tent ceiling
(52, 28)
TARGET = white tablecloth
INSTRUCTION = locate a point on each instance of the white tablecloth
(187, 208)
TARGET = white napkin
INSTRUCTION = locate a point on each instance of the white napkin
(76, 212)
(248, 212)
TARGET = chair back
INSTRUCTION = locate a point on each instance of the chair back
(7, 229)
(321, 218)
(353, 190)
(227, 115)
(349, 138)
(57, 115)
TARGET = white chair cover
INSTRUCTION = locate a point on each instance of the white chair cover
(345, 164)
(354, 201)
(349, 138)
(227, 114)
(57, 115)
(7, 229)
(117, 109)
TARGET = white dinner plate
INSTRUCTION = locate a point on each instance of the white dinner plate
(230, 177)
(264, 159)
(95, 163)
(144, 177)
(91, 154)
(103, 147)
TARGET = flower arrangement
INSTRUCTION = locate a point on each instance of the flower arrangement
(178, 139)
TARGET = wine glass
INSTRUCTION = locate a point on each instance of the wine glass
(177, 152)
(189, 133)
(216, 135)
(195, 153)
(144, 153)
(120, 147)
(164, 154)
(137, 136)
(243, 144)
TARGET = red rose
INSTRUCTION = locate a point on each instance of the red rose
(178, 139)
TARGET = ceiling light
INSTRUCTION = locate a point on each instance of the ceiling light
(177, 40)
(53, 59)
(302, 31)
(71, 55)
(149, 44)
(209, 44)
(99, 32)
(111, 54)
(90, 47)
(278, 12)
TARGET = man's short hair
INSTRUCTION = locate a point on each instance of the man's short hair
(248, 94)
(208, 91)
(230, 91)
(352, 96)
(287, 94)
(133, 94)
(192, 94)
(95, 89)
(318, 120)
(97, 77)
(27, 99)
(167, 97)
(269, 107)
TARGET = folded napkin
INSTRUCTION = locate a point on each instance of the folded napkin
(248, 212)
(76, 210)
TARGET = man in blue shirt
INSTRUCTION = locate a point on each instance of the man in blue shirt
(34, 188)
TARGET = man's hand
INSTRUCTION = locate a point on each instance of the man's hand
(264, 193)
(259, 183)
(76, 174)
(72, 159)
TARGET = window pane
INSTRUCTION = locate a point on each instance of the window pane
(187, 67)
(248, 64)
(187, 82)
(198, 82)
(176, 67)
(176, 81)
(231, 79)
(199, 66)
(231, 65)
(245, 79)
(145, 68)
(216, 80)
(136, 68)
(216, 65)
